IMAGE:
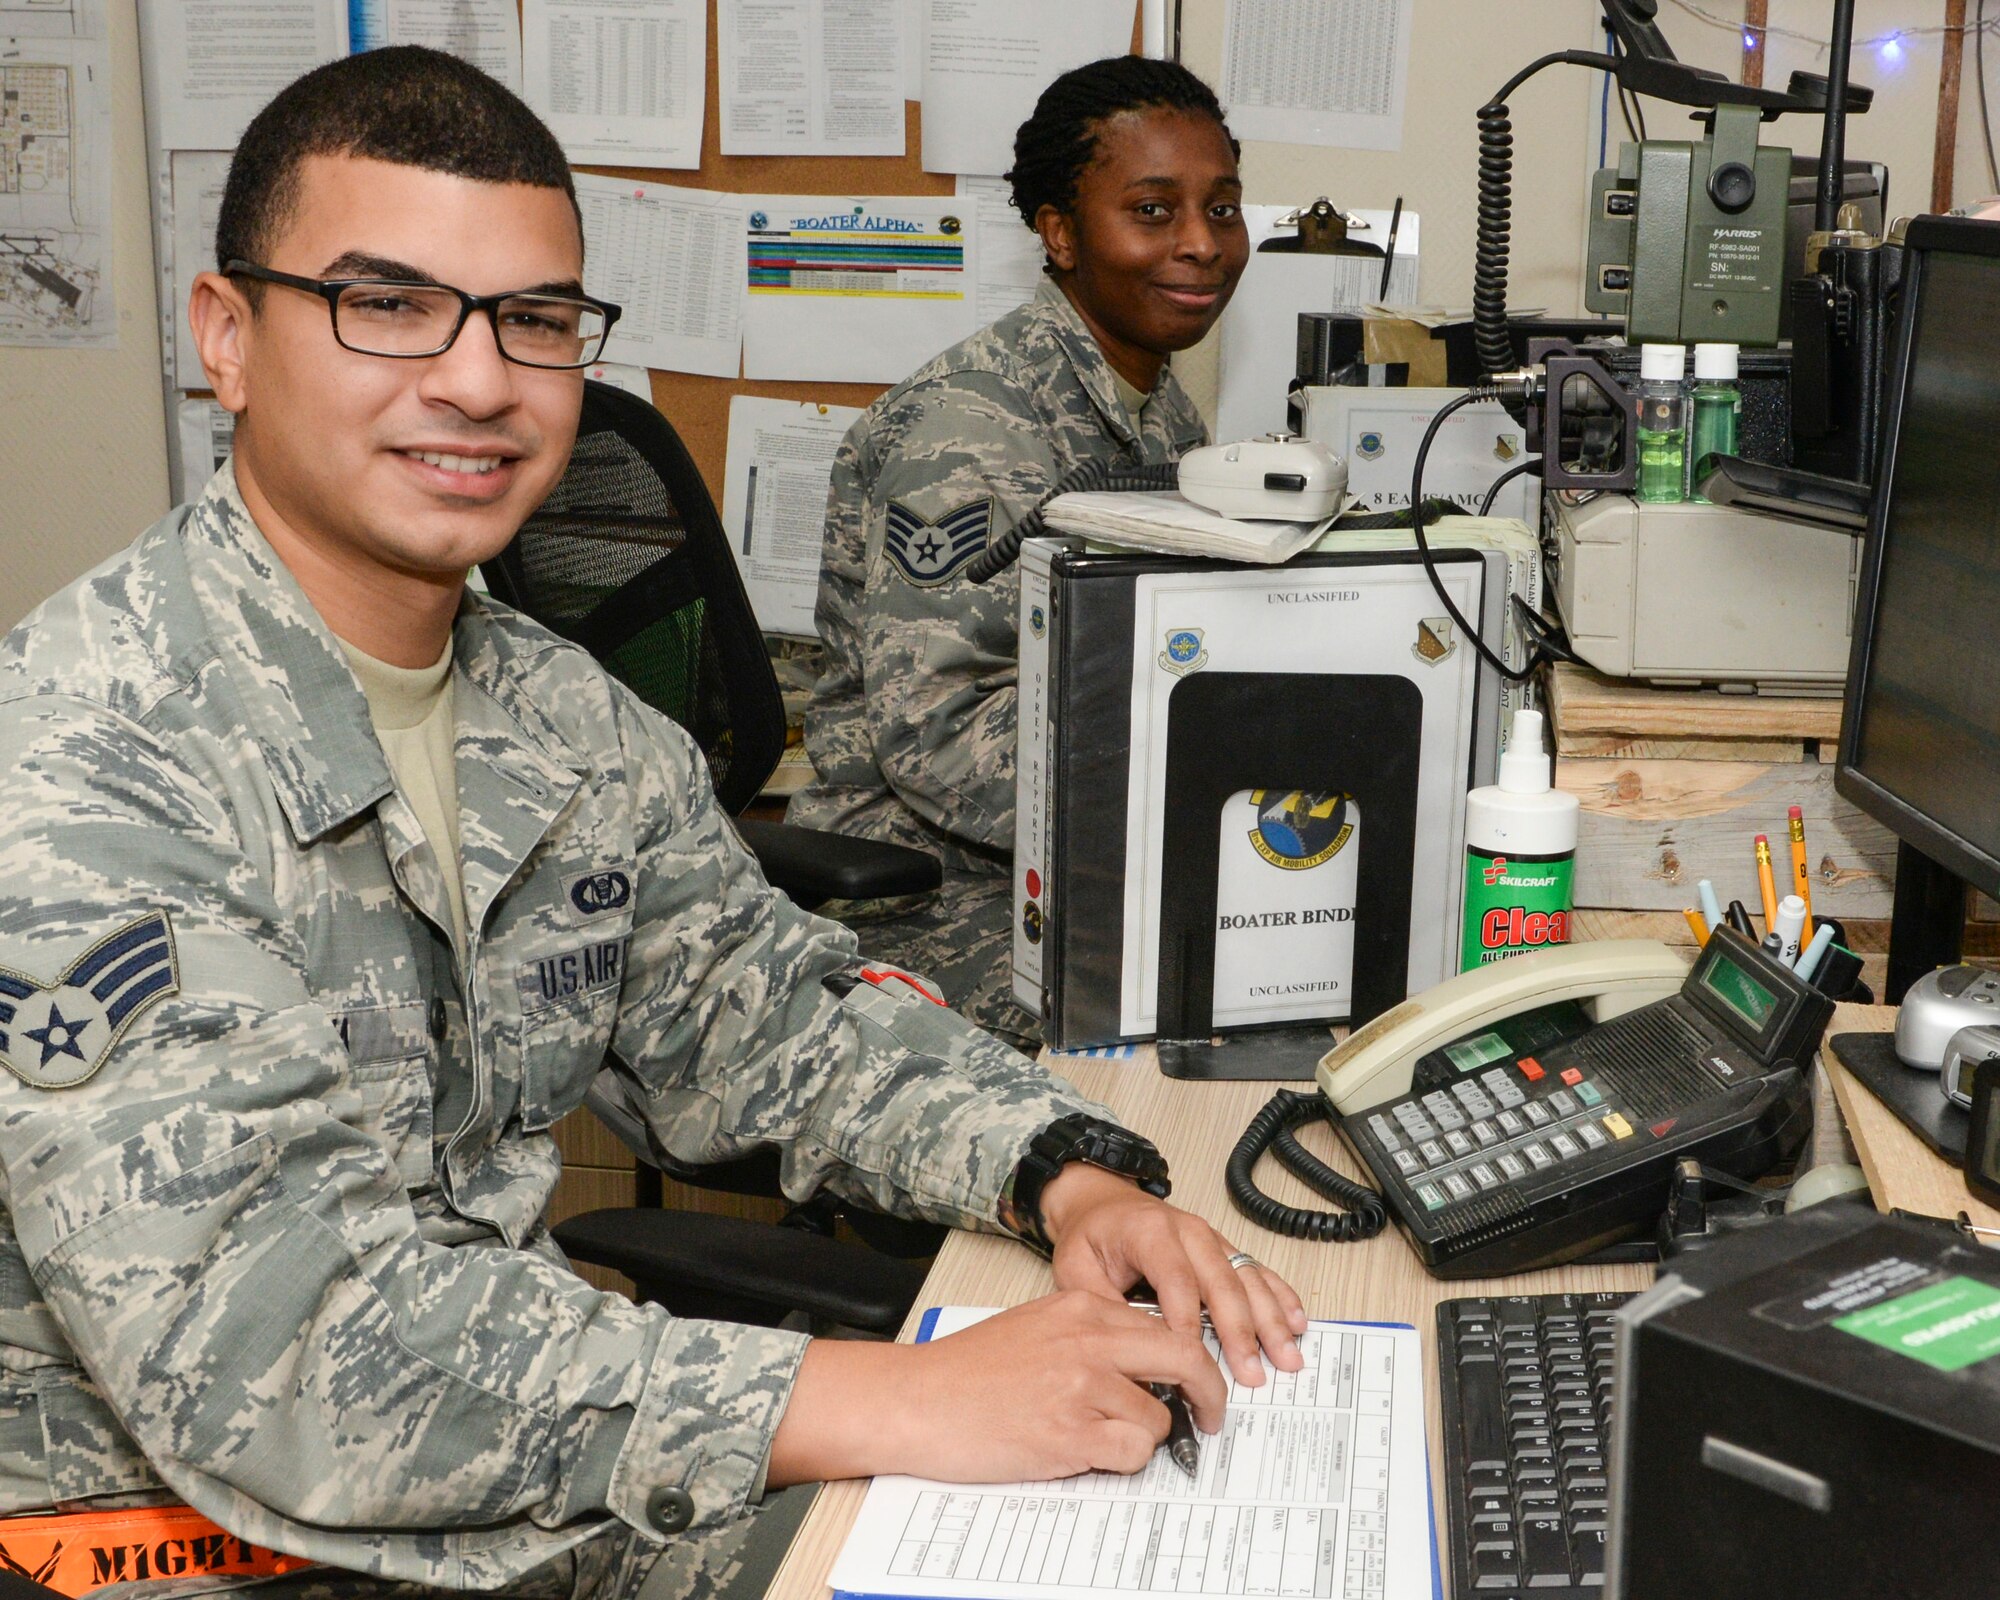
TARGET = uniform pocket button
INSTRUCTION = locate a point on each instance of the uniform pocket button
(437, 1017)
(669, 1510)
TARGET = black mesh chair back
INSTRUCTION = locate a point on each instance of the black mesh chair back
(628, 559)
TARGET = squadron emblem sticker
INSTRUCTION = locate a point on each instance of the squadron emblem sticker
(55, 1034)
(1297, 828)
(1184, 653)
(1435, 643)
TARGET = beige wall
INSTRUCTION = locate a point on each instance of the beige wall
(83, 441)
(1463, 50)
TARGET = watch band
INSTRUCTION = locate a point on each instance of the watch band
(1094, 1142)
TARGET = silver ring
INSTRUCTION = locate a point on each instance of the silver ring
(1243, 1258)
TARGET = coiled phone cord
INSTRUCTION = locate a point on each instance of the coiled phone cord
(1271, 1129)
(1090, 475)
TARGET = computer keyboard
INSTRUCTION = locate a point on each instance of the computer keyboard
(1526, 1385)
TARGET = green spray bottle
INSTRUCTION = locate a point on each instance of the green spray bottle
(1520, 854)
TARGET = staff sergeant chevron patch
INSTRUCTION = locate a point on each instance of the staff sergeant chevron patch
(55, 1035)
(931, 553)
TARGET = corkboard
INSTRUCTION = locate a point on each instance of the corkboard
(698, 407)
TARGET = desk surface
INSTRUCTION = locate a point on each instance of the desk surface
(1195, 1125)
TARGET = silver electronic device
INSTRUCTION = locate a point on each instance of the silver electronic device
(1937, 1006)
(1969, 1047)
(1690, 595)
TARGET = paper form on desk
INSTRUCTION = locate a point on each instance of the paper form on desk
(673, 260)
(619, 81)
(856, 290)
(774, 487)
(810, 77)
(215, 63)
(1317, 1488)
(486, 33)
(986, 62)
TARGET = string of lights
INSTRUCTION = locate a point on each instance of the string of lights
(1889, 46)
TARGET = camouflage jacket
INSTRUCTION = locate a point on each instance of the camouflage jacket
(911, 726)
(274, 1160)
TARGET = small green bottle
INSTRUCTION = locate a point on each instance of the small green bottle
(1662, 424)
(1717, 405)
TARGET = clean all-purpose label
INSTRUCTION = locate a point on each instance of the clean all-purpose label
(1946, 1325)
(1512, 905)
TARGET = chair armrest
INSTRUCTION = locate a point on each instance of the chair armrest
(785, 1269)
(812, 866)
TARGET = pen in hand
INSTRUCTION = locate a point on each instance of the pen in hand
(1181, 1442)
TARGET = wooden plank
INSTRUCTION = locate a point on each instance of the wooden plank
(582, 1189)
(584, 1141)
(1623, 747)
(1582, 703)
(1650, 829)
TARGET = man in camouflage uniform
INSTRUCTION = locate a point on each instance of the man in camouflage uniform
(911, 728)
(281, 1062)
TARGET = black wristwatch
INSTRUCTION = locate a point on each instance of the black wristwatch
(1094, 1142)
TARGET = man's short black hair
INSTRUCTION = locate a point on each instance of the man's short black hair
(1059, 140)
(402, 103)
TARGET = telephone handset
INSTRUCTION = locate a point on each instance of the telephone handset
(1608, 977)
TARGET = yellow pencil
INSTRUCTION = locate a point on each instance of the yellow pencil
(1801, 878)
(1698, 923)
(1765, 885)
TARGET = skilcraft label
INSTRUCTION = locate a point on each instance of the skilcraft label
(1946, 1325)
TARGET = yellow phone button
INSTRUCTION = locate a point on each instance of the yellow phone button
(1620, 1128)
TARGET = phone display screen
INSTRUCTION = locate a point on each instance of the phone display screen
(1743, 994)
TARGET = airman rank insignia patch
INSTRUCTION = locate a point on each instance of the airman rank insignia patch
(931, 553)
(55, 1035)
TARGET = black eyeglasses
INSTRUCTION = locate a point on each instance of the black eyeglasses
(407, 321)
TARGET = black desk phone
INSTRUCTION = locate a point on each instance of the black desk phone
(1532, 1111)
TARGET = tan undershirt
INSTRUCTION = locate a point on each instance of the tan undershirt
(411, 710)
(1134, 397)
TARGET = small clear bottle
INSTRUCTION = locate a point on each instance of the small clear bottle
(1717, 406)
(1662, 424)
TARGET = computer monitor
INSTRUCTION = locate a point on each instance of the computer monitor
(1920, 749)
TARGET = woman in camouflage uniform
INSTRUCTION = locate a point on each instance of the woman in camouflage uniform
(1128, 173)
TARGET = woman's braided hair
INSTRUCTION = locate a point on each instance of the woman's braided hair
(1056, 143)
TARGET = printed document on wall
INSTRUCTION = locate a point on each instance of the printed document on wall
(622, 82)
(54, 19)
(986, 62)
(1330, 73)
(485, 32)
(774, 502)
(673, 260)
(1008, 267)
(1316, 1485)
(204, 434)
(55, 193)
(856, 290)
(214, 63)
(810, 77)
(196, 200)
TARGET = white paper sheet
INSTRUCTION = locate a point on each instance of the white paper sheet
(52, 19)
(214, 63)
(485, 32)
(622, 82)
(633, 380)
(1329, 73)
(810, 77)
(856, 290)
(1260, 326)
(195, 199)
(986, 62)
(1009, 263)
(774, 502)
(914, 14)
(55, 193)
(204, 434)
(1298, 620)
(673, 259)
(1318, 1484)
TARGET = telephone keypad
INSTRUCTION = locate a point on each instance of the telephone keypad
(1385, 1135)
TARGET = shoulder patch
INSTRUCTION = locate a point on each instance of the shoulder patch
(55, 1034)
(931, 553)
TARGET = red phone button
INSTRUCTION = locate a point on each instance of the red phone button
(1572, 1076)
(1531, 1069)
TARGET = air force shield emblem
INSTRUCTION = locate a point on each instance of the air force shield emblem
(55, 1035)
(931, 553)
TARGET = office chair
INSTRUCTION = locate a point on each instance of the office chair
(628, 559)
